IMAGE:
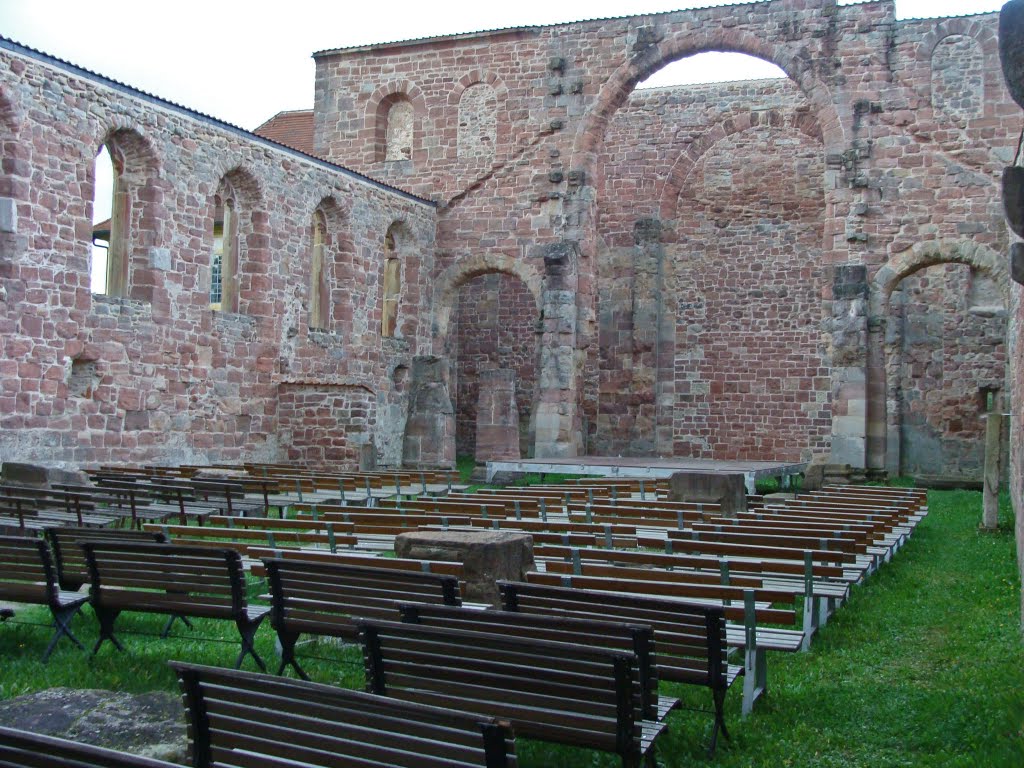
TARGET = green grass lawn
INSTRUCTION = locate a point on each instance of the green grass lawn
(923, 667)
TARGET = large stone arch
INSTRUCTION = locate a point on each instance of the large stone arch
(680, 45)
(885, 426)
(446, 290)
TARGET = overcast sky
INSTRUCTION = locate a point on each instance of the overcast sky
(234, 60)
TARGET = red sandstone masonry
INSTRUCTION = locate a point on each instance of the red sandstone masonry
(158, 376)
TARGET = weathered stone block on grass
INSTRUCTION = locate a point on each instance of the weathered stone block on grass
(486, 556)
(710, 488)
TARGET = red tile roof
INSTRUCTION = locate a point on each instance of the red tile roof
(293, 129)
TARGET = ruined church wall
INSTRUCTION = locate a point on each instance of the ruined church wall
(156, 375)
(740, 365)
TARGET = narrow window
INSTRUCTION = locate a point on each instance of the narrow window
(988, 399)
(319, 296)
(223, 295)
(109, 269)
(392, 287)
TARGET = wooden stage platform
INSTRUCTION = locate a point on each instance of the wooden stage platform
(618, 466)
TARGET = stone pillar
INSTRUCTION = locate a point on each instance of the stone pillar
(993, 467)
(430, 429)
(849, 365)
(652, 427)
(497, 418)
(876, 407)
(558, 428)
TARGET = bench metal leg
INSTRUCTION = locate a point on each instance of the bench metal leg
(247, 631)
(62, 628)
(286, 642)
(719, 698)
(815, 611)
(107, 618)
(170, 622)
(755, 678)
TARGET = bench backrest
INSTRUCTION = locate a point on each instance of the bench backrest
(27, 574)
(636, 639)
(327, 598)
(690, 639)
(69, 557)
(246, 720)
(21, 749)
(560, 692)
(166, 578)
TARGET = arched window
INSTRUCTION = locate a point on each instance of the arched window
(392, 285)
(958, 77)
(399, 133)
(319, 291)
(111, 214)
(224, 260)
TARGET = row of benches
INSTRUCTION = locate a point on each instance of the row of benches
(329, 599)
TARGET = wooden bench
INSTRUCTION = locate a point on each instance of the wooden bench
(247, 720)
(823, 587)
(27, 575)
(21, 749)
(690, 640)
(320, 598)
(69, 557)
(749, 634)
(180, 581)
(634, 638)
(560, 692)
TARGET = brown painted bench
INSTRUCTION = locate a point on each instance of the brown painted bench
(559, 692)
(27, 575)
(69, 557)
(319, 598)
(823, 587)
(634, 638)
(246, 720)
(690, 640)
(21, 749)
(751, 610)
(180, 581)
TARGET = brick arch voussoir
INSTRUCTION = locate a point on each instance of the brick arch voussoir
(451, 280)
(475, 77)
(687, 160)
(616, 90)
(405, 88)
(928, 254)
(137, 151)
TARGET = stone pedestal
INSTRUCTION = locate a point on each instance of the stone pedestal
(486, 556)
(729, 490)
(497, 418)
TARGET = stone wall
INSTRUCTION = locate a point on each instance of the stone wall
(948, 347)
(740, 363)
(710, 268)
(322, 425)
(495, 326)
(156, 375)
(701, 267)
